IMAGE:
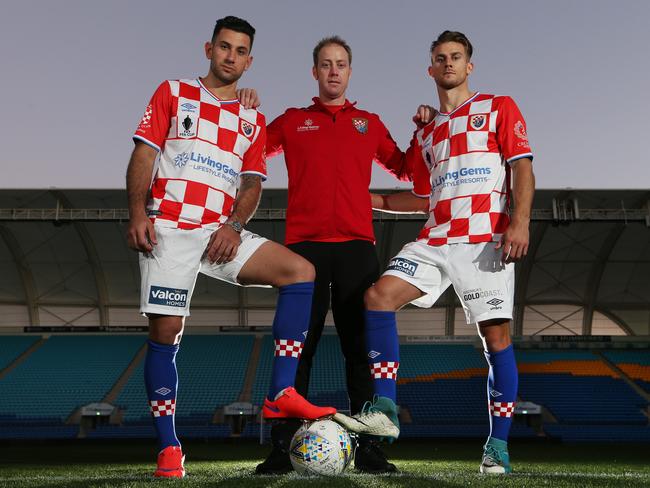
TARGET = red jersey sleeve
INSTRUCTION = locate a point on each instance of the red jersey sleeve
(255, 157)
(274, 136)
(154, 126)
(511, 133)
(421, 172)
(390, 156)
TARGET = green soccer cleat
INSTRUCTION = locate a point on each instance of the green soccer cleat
(378, 418)
(496, 459)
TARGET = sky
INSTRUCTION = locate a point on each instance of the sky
(77, 76)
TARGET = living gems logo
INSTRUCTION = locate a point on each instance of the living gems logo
(181, 160)
(205, 164)
(461, 177)
(170, 297)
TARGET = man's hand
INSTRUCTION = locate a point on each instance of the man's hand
(514, 242)
(140, 234)
(423, 115)
(248, 97)
(223, 245)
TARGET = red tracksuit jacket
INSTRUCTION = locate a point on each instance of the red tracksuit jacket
(329, 162)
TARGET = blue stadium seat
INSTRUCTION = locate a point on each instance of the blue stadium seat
(65, 373)
(442, 387)
(13, 346)
(424, 359)
(584, 399)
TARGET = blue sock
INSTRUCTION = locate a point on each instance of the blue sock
(161, 381)
(503, 380)
(290, 327)
(382, 344)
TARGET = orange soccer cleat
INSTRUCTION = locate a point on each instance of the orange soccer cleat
(170, 463)
(290, 404)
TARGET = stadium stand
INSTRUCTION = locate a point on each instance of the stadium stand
(212, 370)
(65, 373)
(578, 388)
(441, 388)
(13, 346)
(441, 384)
(635, 364)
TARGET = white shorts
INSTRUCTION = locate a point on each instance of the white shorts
(169, 272)
(484, 284)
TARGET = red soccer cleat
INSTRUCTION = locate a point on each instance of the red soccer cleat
(290, 404)
(170, 463)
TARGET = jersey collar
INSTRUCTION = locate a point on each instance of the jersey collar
(216, 98)
(321, 106)
(469, 100)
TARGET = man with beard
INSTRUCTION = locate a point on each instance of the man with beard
(465, 160)
(198, 142)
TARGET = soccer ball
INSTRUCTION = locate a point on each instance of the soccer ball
(321, 448)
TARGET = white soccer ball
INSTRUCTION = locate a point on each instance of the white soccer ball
(321, 448)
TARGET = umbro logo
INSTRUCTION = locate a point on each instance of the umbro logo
(304, 334)
(164, 391)
(373, 354)
(188, 107)
(494, 393)
(494, 302)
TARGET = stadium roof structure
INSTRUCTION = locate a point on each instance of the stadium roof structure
(64, 261)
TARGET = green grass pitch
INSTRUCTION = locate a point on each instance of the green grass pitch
(439, 463)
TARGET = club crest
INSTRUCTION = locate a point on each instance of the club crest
(478, 121)
(187, 126)
(520, 130)
(360, 124)
(246, 128)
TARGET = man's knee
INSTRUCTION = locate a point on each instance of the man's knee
(303, 271)
(299, 270)
(496, 334)
(375, 299)
(165, 329)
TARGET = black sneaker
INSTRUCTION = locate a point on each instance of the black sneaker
(369, 458)
(277, 462)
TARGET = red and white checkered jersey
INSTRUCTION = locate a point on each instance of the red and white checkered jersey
(205, 143)
(462, 164)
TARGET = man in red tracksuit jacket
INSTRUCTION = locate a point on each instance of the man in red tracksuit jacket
(329, 148)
